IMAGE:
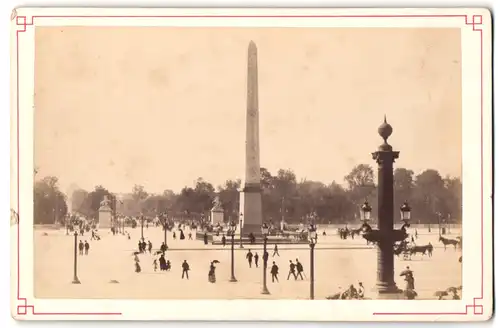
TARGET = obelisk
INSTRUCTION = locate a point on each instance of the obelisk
(250, 196)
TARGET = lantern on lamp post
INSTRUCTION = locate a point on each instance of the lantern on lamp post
(405, 211)
(365, 216)
(265, 232)
(313, 239)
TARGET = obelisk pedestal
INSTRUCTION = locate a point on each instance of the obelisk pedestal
(250, 196)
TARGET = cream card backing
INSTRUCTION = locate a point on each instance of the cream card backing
(170, 163)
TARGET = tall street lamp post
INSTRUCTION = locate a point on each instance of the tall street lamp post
(75, 276)
(313, 239)
(265, 231)
(241, 230)
(232, 230)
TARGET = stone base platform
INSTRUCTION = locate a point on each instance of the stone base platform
(216, 240)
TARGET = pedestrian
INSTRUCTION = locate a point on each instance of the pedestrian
(265, 257)
(256, 259)
(410, 283)
(300, 269)
(163, 264)
(163, 247)
(80, 248)
(274, 272)
(205, 238)
(211, 273)
(185, 269)
(137, 267)
(155, 265)
(174, 235)
(150, 246)
(87, 246)
(249, 257)
(139, 246)
(416, 234)
(276, 250)
(361, 290)
(190, 236)
(223, 241)
(292, 271)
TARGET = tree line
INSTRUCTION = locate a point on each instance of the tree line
(431, 196)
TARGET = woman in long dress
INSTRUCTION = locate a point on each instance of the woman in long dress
(211, 273)
(163, 263)
(410, 283)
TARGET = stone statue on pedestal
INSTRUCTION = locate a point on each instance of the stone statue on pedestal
(217, 212)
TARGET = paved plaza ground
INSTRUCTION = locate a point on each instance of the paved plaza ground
(338, 263)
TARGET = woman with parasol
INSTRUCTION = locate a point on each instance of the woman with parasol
(410, 283)
(211, 271)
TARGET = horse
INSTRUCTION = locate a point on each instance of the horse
(446, 241)
(423, 249)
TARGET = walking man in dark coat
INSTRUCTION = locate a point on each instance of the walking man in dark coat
(256, 258)
(87, 246)
(265, 257)
(276, 250)
(185, 269)
(150, 246)
(300, 269)
(249, 257)
(80, 248)
(223, 241)
(274, 272)
(292, 271)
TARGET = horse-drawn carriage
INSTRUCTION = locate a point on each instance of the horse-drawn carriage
(407, 249)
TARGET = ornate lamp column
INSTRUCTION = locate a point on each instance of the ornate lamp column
(385, 158)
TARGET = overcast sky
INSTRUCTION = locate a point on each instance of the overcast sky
(162, 106)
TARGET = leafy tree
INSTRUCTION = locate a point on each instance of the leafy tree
(49, 202)
(403, 188)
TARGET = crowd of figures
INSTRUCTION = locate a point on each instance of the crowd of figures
(179, 230)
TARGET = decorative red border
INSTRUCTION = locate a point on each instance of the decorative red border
(476, 21)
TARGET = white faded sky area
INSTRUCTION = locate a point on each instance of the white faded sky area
(162, 106)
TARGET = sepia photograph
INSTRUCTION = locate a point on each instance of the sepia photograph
(250, 162)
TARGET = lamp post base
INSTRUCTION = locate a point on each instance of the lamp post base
(76, 281)
(265, 291)
(390, 293)
(233, 279)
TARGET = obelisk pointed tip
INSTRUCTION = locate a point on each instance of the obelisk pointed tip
(252, 45)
